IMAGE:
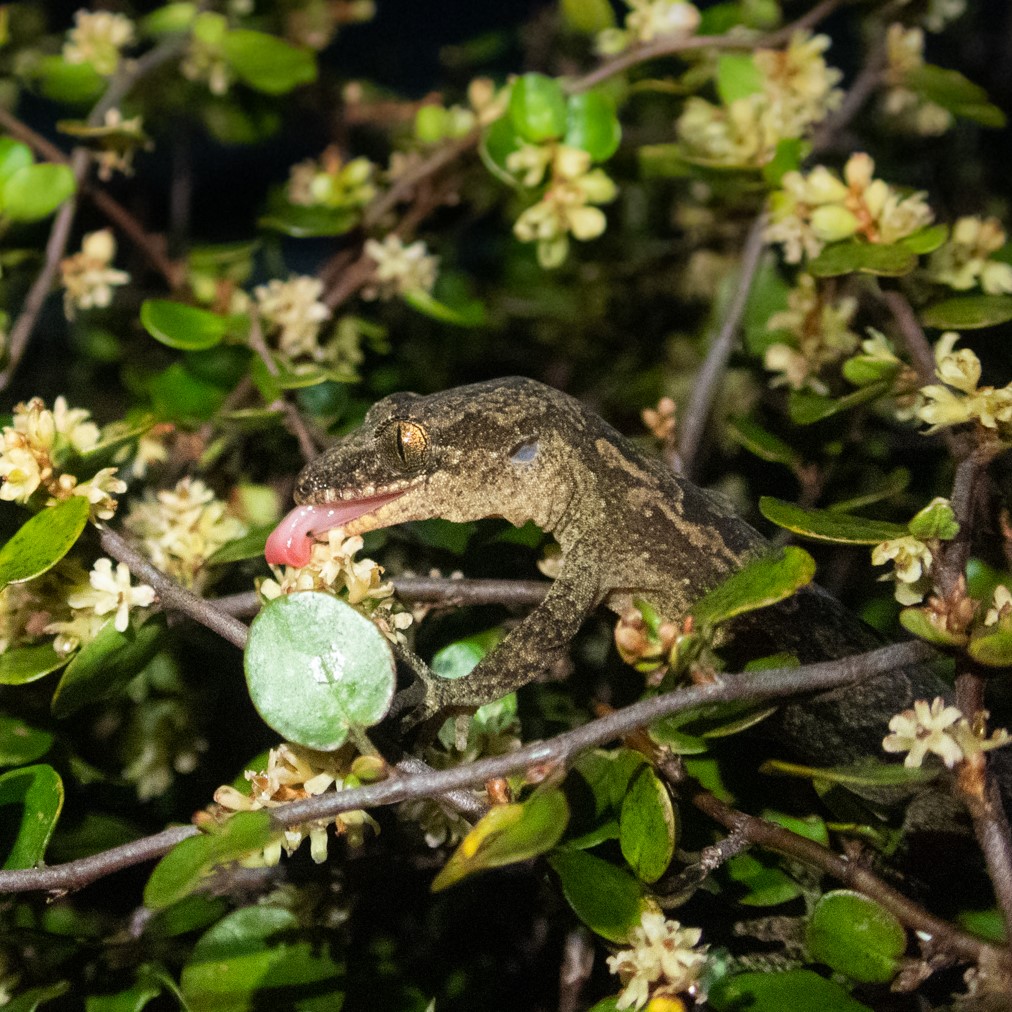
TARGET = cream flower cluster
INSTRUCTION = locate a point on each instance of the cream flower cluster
(107, 591)
(648, 19)
(400, 268)
(941, 730)
(1001, 606)
(964, 261)
(88, 278)
(205, 60)
(294, 772)
(331, 182)
(567, 207)
(912, 560)
(180, 528)
(98, 38)
(333, 569)
(816, 208)
(798, 90)
(293, 309)
(958, 398)
(820, 336)
(905, 53)
(664, 960)
(36, 445)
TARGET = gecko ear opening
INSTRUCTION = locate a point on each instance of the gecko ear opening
(525, 452)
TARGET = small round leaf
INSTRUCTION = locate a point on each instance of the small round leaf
(607, 899)
(36, 191)
(591, 124)
(647, 826)
(856, 936)
(42, 541)
(20, 744)
(266, 63)
(27, 664)
(182, 326)
(316, 667)
(538, 108)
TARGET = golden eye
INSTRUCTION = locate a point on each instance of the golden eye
(411, 442)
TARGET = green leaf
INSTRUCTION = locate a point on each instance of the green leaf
(498, 142)
(926, 240)
(856, 936)
(39, 543)
(765, 884)
(31, 799)
(766, 991)
(952, 91)
(648, 826)
(13, 156)
(607, 774)
(992, 645)
(537, 108)
(588, 17)
(460, 658)
(762, 582)
(787, 157)
(30, 1000)
(868, 773)
(467, 314)
(591, 125)
(737, 77)
(69, 83)
(181, 326)
(249, 546)
(607, 899)
(260, 957)
(968, 312)
(507, 834)
(20, 743)
(829, 525)
(26, 664)
(192, 913)
(178, 395)
(936, 520)
(763, 444)
(132, 999)
(169, 19)
(35, 192)
(186, 865)
(986, 924)
(316, 667)
(850, 257)
(104, 666)
(310, 221)
(863, 370)
(919, 622)
(267, 63)
(807, 408)
(812, 827)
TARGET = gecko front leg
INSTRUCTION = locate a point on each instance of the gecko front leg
(528, 651)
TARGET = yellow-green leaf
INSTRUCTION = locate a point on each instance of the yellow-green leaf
(829, 525)
(39, 543)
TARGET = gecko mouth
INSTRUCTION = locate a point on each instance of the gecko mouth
(291, 542)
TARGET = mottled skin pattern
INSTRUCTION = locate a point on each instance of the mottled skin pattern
(627, 526)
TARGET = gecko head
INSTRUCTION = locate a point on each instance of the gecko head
(489, 449)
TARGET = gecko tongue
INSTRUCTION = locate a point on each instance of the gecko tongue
(291, 542)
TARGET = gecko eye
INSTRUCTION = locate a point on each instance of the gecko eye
(411, 443)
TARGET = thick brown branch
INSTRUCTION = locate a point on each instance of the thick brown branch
(556, 753)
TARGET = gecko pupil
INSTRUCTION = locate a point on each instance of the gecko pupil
(410, 443)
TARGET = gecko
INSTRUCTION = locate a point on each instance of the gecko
(628, 528)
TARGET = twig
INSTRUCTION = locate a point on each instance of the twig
(770, 836)
(707, 382)
(557, 752)
(171, 594)
(861, 90)
(59, 234)
(671, 45)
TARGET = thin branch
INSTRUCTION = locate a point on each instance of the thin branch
(861, 90)
(553, 754)
(80, 160)
(770, 836)
(707, 382)
(171, 594)
(672, 45)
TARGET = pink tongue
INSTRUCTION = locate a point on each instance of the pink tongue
(291, 542)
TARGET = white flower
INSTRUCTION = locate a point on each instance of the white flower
(110, 591)
(88, 279)
(649, 18)
(294, 307)
(400, 268)
(19, 470)
(912, 560)
(665, 959)
(925, 729)
(1001, 605)
(97, 38)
